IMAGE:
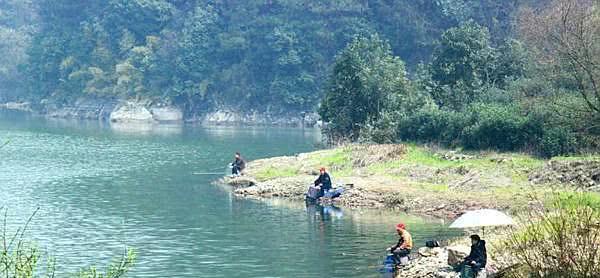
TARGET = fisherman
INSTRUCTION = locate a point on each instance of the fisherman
(476, 260)
(323, 182)
(238, 165)
(404, 245)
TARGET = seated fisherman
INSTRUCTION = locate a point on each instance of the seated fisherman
(238, 165)
(404, 245)
(476, 260)
(323, 182)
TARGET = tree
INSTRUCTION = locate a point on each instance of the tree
(460, 65)
(248, 55)
(365, 76)
(16, 25)
(566, 35)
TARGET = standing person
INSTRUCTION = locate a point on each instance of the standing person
(323, 182)
(476, 260)
(404, 245)
(238, 165)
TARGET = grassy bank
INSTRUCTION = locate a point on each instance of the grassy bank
(414, 178)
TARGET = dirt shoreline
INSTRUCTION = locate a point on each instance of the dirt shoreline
(444, 192)
(357, 196)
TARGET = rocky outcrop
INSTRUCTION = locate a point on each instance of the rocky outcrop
(89, 108)
(456, 254)
(166, 114)
(18, 106)
(231, 117)
(131, 112)
(292, 187)
(434, 265)
(142, 112)
(582, 174)
(145, 111)
(240, 182)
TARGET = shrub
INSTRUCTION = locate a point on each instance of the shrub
(500, 127)
(432, 124)
(378, 132)
(561, 242)
(557, 141)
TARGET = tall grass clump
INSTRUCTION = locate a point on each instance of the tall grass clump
(20, 258)
(560, 240)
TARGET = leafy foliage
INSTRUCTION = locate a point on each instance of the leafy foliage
(468, 80)
(365, 77)
(256, 55)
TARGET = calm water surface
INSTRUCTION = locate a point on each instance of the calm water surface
(101, 188)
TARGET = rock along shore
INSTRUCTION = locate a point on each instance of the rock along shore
(124, 111)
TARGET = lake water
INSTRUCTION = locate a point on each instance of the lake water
(100, 188)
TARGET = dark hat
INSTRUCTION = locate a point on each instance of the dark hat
(475, 237)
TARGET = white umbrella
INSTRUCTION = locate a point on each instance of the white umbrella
(482, 218)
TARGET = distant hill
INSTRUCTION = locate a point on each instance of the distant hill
(266, 55)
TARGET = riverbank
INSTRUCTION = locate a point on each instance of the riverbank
(426, 181)
(418, 179)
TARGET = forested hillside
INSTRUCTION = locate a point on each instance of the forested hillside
(537, 90)
(269, 55)
(17, 19)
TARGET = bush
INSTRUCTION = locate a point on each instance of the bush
(561, 242)
(500, 127)
(380, 131)
(433, 125)
(557, 141)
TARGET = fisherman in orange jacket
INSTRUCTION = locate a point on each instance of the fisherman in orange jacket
(404, 245)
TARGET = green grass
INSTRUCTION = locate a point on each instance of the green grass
(424, 157)
(415, 156)
(573, 158)
(434, 187)
(338, 160)
(273, 172)
(421, 156)
(572, 200)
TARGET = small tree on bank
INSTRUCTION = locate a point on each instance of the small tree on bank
(566, 35)
(365, 77)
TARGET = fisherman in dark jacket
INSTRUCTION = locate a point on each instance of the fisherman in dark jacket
(238, 165)
(323, 182)
(476, 260)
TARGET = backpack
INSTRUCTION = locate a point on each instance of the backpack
(432, 243)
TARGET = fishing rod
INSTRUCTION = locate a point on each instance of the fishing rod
(205, 174)
(4, 144)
